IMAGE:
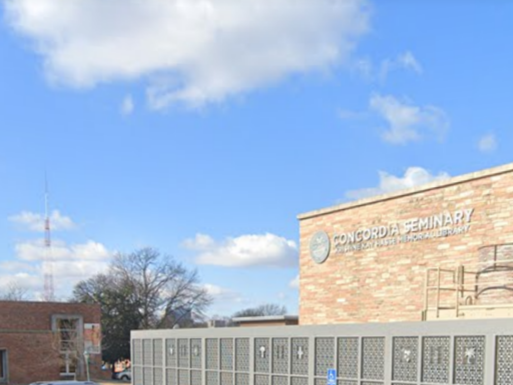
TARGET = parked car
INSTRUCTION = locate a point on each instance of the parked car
(64, 382)
(125, 375)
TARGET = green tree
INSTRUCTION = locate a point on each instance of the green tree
(142, 290)
(120, 312)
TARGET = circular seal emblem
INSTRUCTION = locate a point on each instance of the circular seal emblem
(319, 246)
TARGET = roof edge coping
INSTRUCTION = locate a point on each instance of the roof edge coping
(267, 318)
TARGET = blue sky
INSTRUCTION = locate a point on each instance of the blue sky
(202, 127)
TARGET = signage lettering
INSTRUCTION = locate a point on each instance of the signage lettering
(440, 225)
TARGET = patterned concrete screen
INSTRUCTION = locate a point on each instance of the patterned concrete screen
(472, 352)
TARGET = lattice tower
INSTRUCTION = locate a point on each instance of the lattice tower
(48, 293)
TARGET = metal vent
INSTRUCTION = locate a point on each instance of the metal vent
(373, 360)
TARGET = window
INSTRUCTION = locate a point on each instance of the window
(3, 365)
(68, 333)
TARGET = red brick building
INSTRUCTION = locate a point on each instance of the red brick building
(47, 340)
(441, 250)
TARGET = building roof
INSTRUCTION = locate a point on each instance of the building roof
(267, 318)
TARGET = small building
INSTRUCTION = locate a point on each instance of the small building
(46, 341)
(270, 320)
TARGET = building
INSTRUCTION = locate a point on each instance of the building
(373, 275)
(269, 320)
(47, 340)
(439, 251)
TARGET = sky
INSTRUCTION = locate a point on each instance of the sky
(203, 128)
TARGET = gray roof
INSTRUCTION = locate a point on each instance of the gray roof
(266, 318)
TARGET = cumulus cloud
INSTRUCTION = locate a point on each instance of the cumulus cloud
(66, 275)
(36, 251)
(407, 122)
(23, 280)
(78, 269)
(414, 176)
(244, 251)
(14, 266)
(36, 222)
(127, 105)
(70, 264)
(487, 143)
(192, 51)
(200, 242)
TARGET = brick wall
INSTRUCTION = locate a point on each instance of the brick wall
(15, 315)
(25, 332)
(382, 284)
(31, 356)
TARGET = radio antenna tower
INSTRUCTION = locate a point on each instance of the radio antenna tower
(48, 294)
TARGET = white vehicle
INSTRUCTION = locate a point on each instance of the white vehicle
(64, 383)
(125, 375)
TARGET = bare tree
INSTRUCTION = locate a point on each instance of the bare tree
(166, 291)
(14, 292)
(262, 310)
(142, 290)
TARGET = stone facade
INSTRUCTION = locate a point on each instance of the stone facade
(382, 246)
(30, 344)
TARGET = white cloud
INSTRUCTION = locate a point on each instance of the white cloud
(14, 266)
(244, 251)
(487, 143)
(408, 61)
(404, 61)
(36, 222)
(70, 264)
(294, 284)
(414, 176)
(127, 105)
(225, 301)
(373, 71)
(200, 242)
(60, 251)
(407, 122)
(78, 269)
(22, 280)
(222, 294)
(193, 51)
(66, 275)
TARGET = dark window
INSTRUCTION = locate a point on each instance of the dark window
(3, 365)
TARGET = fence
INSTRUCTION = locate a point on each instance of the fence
(474, 352)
